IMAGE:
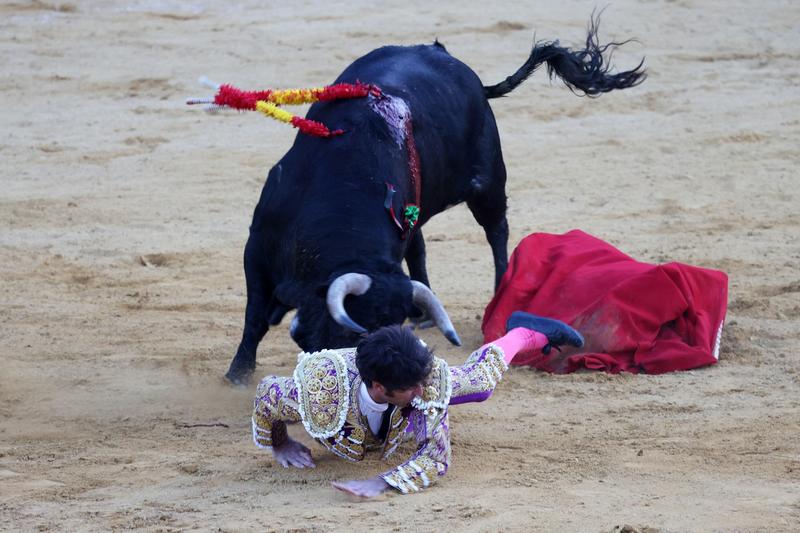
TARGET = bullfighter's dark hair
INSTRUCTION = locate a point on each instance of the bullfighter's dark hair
(394, 357)
(583, 71)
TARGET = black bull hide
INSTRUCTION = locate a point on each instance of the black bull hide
(321, 214)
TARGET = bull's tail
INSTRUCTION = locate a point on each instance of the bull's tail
(583, 71)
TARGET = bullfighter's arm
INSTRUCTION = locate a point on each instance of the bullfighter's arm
(425, 466)
(275, 406)
(432, 457)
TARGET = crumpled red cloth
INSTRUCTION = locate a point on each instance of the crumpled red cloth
(634, 316)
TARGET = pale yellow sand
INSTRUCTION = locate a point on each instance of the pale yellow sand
(112, 411)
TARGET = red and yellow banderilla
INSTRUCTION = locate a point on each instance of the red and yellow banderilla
(269, 101)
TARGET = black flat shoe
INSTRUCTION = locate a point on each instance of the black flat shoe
(557, 332)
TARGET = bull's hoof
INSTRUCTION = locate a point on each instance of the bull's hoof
(239, 377)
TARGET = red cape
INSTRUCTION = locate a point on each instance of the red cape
(635, 317)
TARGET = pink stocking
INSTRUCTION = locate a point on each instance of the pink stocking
(519, 339)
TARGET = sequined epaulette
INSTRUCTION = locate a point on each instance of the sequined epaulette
(436, 389)
(323, 391)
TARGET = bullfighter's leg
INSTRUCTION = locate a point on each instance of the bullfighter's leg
(260, 307)
(475, 380)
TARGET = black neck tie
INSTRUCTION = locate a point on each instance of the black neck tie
(387, 417)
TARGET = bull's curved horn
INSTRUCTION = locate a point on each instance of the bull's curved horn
(427, 301)
(350, 283)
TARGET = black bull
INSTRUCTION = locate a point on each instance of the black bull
(322, 240)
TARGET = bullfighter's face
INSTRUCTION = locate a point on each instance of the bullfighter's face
(403, 397)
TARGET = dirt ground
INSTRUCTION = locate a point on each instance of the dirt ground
(123, 215)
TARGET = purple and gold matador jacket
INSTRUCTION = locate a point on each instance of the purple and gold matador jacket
(323, 394)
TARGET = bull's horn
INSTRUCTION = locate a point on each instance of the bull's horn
(427, 301)
(350, 283)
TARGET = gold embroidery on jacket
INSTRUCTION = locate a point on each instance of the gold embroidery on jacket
(323, 390)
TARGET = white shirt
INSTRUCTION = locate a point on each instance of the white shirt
(371, 409)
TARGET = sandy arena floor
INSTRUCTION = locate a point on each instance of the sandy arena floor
(123, 216)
